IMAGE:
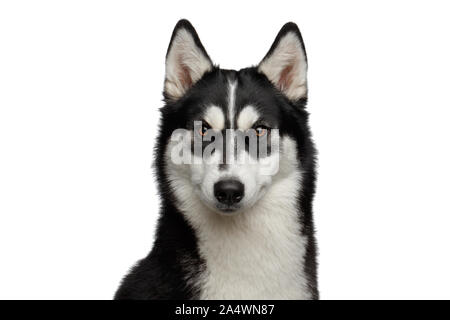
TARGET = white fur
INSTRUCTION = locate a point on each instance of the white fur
(257, 253)
(231, 102)
(184, 56)
(215, 117)
(247, 117)
(202, 174)
(288, 54)
(251, 172)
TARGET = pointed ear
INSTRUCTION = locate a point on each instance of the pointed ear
(186, 61)
(285, 65)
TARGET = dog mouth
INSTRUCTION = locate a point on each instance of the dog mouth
(227, 210)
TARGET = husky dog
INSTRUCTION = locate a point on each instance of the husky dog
(230, 229)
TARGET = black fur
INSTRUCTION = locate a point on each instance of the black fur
(160, 275)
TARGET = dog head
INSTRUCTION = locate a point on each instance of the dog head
(227, 136)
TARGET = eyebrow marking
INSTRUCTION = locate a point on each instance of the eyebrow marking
(215, 117)
(231, 101)
(247, 118)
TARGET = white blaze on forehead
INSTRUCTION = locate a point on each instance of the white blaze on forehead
(215, 118)
(231, 101)
(247, 118)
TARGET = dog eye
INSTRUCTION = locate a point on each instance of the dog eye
(261, 131)
(205, 127)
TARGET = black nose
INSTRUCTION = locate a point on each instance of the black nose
(229, 192)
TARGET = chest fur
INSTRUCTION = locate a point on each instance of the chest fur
(256, 255)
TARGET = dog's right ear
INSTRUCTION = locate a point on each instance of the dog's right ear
(186, 61)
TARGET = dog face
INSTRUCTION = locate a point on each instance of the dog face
(229, 135)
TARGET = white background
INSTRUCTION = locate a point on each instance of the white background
(80, 88)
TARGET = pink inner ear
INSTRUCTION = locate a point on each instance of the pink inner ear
(285, 80)
(184, 75)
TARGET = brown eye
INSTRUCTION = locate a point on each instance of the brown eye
(205, 127)
(261, 131)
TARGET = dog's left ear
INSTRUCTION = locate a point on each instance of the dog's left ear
(285, 65)
(186, 61)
